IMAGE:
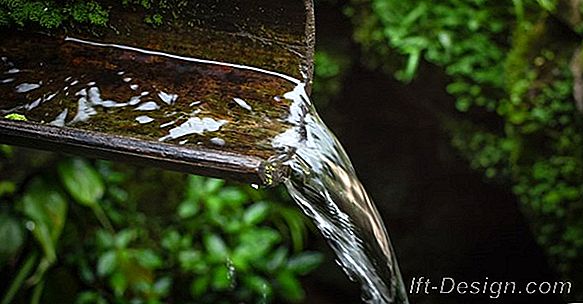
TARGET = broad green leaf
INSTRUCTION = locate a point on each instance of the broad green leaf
(107, 263)
(188, 209)
(232, 196)
(162, 286)
(221, 278)
(104, 239)
(171, 241)
(119, 283)
(195, 187)
(277, 258)
(90, 297)
(81, 181)
(304, 262)
(216, 247)
(7, 188)
(256, 213)
(11, 236)
(149, 259)
(199, 286)
(46, 207)
(258, 285)
(213, 185)
(192, 260)
(259, 241)
(290, 287)
(124, 238)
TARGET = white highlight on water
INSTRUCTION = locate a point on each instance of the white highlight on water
(325, 186)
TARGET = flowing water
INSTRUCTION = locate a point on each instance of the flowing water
(325, 186)
(186, 102)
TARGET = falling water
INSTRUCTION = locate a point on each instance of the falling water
(325, 186)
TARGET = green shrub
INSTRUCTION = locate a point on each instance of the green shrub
(147, 236)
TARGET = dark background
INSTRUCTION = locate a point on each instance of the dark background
(444, 219)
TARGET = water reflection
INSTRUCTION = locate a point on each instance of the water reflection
(194, 125)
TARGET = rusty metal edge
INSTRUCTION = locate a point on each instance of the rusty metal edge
(310, 32)
(150, 153)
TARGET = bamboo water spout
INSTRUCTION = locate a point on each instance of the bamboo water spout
(202, 93)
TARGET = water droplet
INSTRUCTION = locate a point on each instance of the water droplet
(243, 104)
(167, 98)
(195, 125)
(148, 106)
(144, 119)
(30, 225)
(217, 141)
(27, 87)
(59, 121)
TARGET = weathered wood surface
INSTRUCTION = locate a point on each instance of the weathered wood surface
(144, 101)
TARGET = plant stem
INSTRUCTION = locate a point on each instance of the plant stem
(24, 271)
(37, 293)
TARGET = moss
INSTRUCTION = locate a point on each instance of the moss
(51, 14)
(14, 116)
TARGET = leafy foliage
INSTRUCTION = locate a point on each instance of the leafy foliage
(508, 62)
(51, 14)
(329, 71)
(147, 236)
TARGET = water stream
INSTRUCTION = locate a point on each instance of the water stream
(186, 103)
(325, 186)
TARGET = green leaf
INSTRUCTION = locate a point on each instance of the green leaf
(256, 213)
(171, 241)
(258, 285)
(290, 287)
(221, 278)
(199, 286)
(7, 188)
(149, 259)
(104, 239)
(232, 196)
(90, 297)
(119, 283)
(305, 262)
(162, 286)
(216, 247)
(192, 260)
(47, 209)
(277, 258)
(81, 181)
(188, 209)
(107, 263)
(12, 236)
(124, 238)
(212, 185)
